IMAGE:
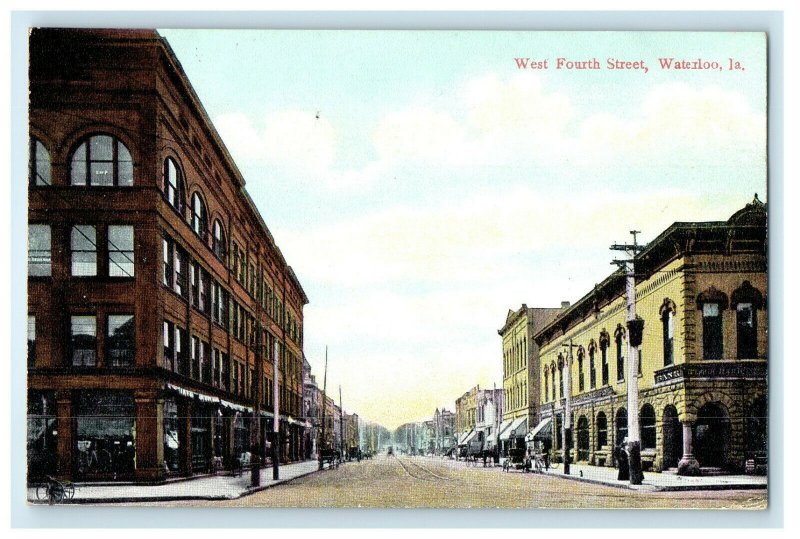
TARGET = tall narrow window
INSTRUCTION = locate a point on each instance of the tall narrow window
(169, 346)
(196, 359)
(31, 341)
(168, 261)
(712, 331)
(561, 380)
(647, 427)
(218, 242)
(746, 340)
(120, 251)
(604, 360)
(546, 386)
(620, 357)
(102, 160)
(84, 341)
(39, 251)
(592, 369)
(39, 169)
(181, 270)
(668, 330)
(181, 351)
(120, 341)
(199, 223)
(173, 185)
(580, 369)
(602, 430)
(84, 251)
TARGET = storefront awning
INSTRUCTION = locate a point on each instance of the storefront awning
(516, 429)
(504, 427)
(470, 437)
(540, 431)
(462, 439)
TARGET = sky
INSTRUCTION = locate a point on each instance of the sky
(421, 185)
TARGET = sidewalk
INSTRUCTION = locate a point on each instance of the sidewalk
(217, 487)
(652, 481)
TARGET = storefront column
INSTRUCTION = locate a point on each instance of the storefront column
(185, 435)
(149, 437)
(66, 435)
(688, 465)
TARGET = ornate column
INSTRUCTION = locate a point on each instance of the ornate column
(688, 465)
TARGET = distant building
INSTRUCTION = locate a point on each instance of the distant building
(489, 415)
(444, 424)
(520, 372)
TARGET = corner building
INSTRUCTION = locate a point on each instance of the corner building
(158, 301)
(702, 291)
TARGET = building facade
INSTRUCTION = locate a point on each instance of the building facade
(488, 418)
(444, 424)
(520, 372)
(159, 304)
(701, 290)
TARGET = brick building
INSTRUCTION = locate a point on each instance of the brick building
(158, 300)
(702, 291)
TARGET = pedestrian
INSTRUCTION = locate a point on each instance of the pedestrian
(622, 462)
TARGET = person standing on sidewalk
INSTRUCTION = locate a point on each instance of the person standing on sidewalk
(622, 462)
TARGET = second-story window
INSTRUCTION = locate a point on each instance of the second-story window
(199, 220)
(31, 341)
(620, 357)
(746, 340)
(84, 341)
(712, 331)
(668, 335)
(39, 251)
(84, 251)
(120, 251)
(120, 341)
(102, 160)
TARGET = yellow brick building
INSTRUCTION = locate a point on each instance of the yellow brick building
(701, 289)
(520, 373)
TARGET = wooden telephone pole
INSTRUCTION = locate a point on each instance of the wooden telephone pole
(567, 381)
(324, 414)
(635, 328)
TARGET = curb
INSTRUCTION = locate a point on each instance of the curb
(649, 487)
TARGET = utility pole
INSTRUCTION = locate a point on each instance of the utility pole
(324, 415)
(341, 424)
(276, 433)
(255, 423)
(635, 329)
(567, 381)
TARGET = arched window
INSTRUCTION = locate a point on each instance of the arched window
(199, 220)
(647, 426)
(712, 302)
(546, 385)
(218, 241)
(747, 300)
(621, 430)
(602, 430)
(560, 376)
(667, 312)
(173, 185)
(102, 160)
(553, 379)
(592, 370)
(39, 166)
(604, 342)
(580, 368)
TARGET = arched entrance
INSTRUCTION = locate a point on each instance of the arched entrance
(712, 435)
(583, 438)
(672, 438)
(621, 426)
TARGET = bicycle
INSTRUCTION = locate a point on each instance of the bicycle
(54, 491)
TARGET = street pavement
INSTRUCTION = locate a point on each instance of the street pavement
(420, 482)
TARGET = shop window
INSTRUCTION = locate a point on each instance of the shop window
(746, 324)
(84, 341)
(84, 250)
(173, 185)
(602, 430)
(39, 172)
(120, 251)
(647, 426)
(199, 219)
(712, 331)
(31, 341)
(171, 438)
(105, 433)
(102, 160)
(42, 434)
(120, 341)
(39, 251)
(218, 241)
